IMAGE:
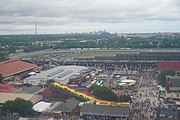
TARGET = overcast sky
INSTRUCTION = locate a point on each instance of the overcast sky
(65, 16)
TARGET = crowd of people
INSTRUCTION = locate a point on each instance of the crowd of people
(144, 103)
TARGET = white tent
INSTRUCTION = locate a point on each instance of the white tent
(128, 81)
(118, 76)
(42, 106)
(32, 73)
(122, 84)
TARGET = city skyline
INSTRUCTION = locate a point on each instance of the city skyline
(69, 16)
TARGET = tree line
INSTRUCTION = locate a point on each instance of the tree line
(30, 43)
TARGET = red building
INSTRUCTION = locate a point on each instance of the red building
(11, 68)
(7, 88)
(77, 80)
(174, 65)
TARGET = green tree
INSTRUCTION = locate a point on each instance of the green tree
(12, 49)
(1, 78)
(3, 56)
(124, 98)
(8, 107)
(104, 93)
(20, 106)
(163, 74)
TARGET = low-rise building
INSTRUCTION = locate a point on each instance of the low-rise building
(60, 74)
(15, 68)
(173, 83)
(7, 88)
(58, 109)
(12, 96)
(90, 111)
(169, 113)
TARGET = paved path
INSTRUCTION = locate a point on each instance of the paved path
(143, 106)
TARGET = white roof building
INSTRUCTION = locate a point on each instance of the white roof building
(42, 106)
(60, 74)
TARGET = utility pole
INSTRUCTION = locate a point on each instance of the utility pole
(35, 27)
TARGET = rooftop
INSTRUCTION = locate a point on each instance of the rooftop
(173, 77)
(12, 96)
(31, 90)
(11, 67)
(112, 111)
(60, 74)
(7, 88)
(66, 106)
(9, 118)
(174, 113)
(42, 106)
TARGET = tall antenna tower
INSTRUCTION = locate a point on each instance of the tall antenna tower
(35, 27)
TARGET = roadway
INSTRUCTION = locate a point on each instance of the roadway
(48, 51)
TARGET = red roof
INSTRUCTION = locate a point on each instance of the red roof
(11, 67)
(7, 88)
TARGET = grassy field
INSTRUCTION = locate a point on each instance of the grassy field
(98, 53)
